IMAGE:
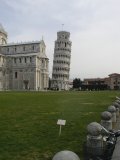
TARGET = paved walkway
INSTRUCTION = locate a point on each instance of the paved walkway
(116, 153)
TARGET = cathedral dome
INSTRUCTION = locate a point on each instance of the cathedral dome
(2, 29)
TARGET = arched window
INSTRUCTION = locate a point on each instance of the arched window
(30, 59)
(14, 60)
(33, 47)
(58, 44)
(16, 75)
(20, 60)
(23, 48)
(25, 59)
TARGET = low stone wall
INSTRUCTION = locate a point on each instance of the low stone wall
(95, 143)
(95, 138)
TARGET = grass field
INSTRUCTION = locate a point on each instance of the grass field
(28, 129)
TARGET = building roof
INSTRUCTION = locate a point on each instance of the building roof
(21, 43)
(93, 79)
(114, 75)
(2, 29)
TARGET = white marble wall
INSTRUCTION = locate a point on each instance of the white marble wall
(61, 63)
(25, 65)
(3, 38)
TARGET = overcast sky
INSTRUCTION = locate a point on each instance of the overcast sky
(94, 26)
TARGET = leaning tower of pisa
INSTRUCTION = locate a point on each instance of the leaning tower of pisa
(3, 35)
(61, 62)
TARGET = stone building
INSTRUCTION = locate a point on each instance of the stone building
(94, 84)
(61, 62)
(114, 81)
(23, 66)
(111, 82)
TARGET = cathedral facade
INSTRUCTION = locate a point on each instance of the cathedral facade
(23, 66)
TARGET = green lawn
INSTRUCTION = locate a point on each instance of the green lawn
(28, 129)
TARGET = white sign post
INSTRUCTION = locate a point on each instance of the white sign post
(61, 123)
